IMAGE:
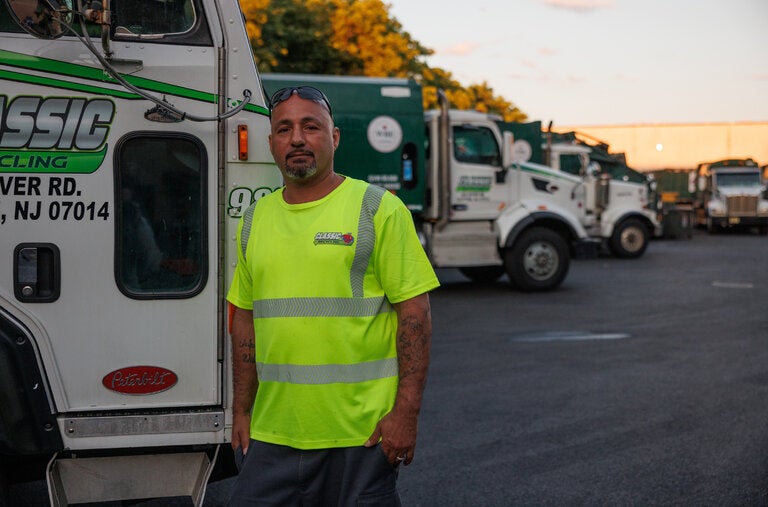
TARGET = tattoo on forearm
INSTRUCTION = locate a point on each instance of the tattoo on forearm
(412, 345)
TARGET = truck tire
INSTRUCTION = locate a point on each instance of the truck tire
(629, 239)
(483, 274)
(538, 260)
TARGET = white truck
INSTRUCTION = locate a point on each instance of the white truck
(619, 207)
(730, 194)
(474, 207)
(132, 134)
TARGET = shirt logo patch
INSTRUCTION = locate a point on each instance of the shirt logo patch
(334, 238)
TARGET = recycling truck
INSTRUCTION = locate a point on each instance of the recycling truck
(620, 206)
(475, 207)
(132, 136)
(730, 194)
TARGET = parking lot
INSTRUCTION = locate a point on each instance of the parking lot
(638, 382)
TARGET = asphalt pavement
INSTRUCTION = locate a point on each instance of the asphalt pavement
(638, 382)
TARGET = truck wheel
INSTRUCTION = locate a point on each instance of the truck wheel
(629, 239)
(483, 274)
(538, 260)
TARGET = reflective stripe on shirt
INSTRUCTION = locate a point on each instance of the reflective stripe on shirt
(327, 373)
(366, 238)
(320, 307)
(245, 233)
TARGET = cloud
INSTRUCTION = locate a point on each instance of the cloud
(546, 51)
(460, 49)
(579, 5)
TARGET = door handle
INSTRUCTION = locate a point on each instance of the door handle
(36, 272)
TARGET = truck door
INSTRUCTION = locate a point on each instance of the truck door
(108, 213)
(477, 192)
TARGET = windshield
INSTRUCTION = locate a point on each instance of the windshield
(738, 179)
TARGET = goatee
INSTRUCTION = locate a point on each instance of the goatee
(300, 171)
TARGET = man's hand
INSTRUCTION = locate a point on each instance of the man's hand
(397, 433)
(241, 432)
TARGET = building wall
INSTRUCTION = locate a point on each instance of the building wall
(682, 146)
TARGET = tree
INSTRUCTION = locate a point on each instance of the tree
(355, 37)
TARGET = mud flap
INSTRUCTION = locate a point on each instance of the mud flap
(586, 248)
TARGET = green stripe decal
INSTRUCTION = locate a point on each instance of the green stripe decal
(98, 76)
(564, 176)
(40, 161)
(68, 85)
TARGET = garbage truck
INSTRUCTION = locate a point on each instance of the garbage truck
(475, 207)
(620, 207)
(132, 136)
(730, 194)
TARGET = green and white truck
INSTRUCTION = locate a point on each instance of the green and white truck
(132, 135)
(620, 205)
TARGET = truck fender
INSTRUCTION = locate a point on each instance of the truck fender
(610, 220)
(28, 425)
(510, 225)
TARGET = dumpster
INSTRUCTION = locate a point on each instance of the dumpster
(677, 221)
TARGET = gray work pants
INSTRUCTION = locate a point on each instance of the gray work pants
(276, 475)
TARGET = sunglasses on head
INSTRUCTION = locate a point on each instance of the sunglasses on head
(305, 92)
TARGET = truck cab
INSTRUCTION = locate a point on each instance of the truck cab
(488, 214)
(730, 194)
(619, 203)
(132, 136)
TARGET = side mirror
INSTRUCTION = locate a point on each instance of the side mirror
(507, 149)
(41, 18)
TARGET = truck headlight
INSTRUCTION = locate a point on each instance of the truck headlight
(716, 208)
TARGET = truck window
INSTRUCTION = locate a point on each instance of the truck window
(738, 179)
(153, 18)
(7, 23)
(160, 226)
(166, 21)
(475, 145)
(570, 164)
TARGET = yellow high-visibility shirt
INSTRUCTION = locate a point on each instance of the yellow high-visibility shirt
(321, 278)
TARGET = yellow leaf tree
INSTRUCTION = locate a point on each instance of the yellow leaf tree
(355, 37)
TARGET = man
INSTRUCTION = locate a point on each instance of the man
(331, 327)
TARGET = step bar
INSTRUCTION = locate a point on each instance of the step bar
(75, 480)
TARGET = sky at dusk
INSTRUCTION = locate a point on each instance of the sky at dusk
(604, 62)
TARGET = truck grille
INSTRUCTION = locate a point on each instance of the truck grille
(742, 205)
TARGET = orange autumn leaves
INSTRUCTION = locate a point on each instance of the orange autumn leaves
(354, 37)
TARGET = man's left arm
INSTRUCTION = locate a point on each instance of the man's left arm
(397, 430)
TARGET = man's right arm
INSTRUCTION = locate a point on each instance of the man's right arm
(245, 380)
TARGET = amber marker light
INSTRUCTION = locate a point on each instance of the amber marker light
(242, 142)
